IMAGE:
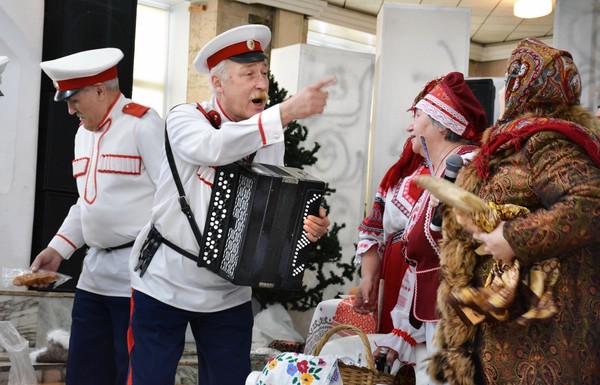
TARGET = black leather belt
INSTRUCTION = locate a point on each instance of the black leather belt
(123, 246)
(180, 250)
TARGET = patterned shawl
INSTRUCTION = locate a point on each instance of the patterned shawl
(539, 78)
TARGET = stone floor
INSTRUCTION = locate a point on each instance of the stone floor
(46, 373)
(34, 314)
(54, 374)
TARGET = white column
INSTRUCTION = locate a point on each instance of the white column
(21, 29)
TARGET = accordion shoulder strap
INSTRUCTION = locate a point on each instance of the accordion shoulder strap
(185, 206)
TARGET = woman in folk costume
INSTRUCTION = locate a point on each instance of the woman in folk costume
(377, 250)
(543, 155)
(447, 120)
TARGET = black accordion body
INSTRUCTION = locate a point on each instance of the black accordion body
(253, 233)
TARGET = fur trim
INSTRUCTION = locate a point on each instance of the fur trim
(570, 112)
(33, 356)
(59, 337)
(452, 364)
(57, 349)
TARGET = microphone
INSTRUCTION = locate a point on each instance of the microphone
(453, 164)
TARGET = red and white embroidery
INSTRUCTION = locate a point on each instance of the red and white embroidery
(80, 166)
(120, 164)
(206, 174)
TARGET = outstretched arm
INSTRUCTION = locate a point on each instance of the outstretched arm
(309, 101)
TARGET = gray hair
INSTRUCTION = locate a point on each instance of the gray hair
(221, 71)
(450, 135)
(437, 123)
(112, 84)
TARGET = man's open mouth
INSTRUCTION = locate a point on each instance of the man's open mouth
(259, 98)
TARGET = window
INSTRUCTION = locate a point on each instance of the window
(151, 56)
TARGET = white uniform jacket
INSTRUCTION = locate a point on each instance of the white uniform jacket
(197, 149)
(116, 169)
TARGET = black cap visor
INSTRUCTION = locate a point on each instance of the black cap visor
(248, 57)
(64, 95)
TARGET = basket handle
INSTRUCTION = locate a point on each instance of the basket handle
(363, 337)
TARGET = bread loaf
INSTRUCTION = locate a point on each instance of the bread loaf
(37, 278)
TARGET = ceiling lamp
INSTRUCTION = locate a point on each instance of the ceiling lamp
(529, 9)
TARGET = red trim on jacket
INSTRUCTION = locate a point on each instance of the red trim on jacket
(67, 240)
(135, 109)
(261, 129)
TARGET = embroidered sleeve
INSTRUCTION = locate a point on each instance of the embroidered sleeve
(370, 231)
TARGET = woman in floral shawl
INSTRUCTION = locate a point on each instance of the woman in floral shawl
(543, 154)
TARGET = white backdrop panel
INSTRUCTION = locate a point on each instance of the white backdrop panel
(342, 130)
(21, 29)
(415, 44)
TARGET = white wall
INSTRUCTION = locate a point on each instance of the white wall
(415, 44)
(342, 130)
(577, 30)
(21, 29)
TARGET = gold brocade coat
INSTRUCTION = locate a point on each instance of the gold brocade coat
(560, 184)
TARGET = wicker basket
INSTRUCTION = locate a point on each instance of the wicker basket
(356, 375)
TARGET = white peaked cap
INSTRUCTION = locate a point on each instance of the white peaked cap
(73, 72)
(245, 44)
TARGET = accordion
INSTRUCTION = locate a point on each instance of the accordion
(253, 234)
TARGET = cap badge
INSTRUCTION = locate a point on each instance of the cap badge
(250, 44)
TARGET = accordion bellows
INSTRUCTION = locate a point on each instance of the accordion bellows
(253, 234)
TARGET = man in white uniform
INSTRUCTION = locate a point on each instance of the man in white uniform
(170, 290)
(116, 167)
